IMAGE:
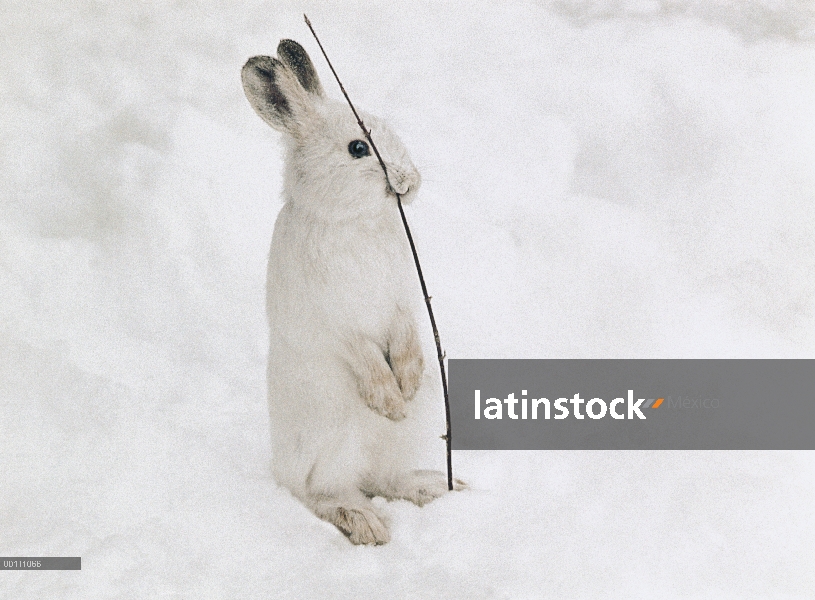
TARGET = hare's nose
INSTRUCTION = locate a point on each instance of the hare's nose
(402, 182)
(400, 186)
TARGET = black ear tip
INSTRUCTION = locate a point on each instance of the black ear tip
(260, 65)
(289, 47)
(254, 60)
(296, 59)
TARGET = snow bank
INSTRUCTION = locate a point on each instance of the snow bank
(601, 179)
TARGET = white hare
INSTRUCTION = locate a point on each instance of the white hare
(344, 354)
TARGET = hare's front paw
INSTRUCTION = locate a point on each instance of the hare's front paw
(406, 357)
(408, 369)
(382, 395)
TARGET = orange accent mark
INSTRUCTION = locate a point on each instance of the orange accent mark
(658, 402)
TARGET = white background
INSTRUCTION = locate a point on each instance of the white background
(609, 179)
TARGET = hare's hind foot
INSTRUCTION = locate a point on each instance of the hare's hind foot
(419, 487)
(357, 519)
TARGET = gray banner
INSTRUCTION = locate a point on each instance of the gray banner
(41, 563)
(632, 404)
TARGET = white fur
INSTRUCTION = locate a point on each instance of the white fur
(342, 300)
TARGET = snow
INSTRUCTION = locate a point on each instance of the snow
(603, 179)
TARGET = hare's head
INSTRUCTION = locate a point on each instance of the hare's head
(329, 163)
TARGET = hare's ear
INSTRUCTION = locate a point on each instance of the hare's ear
(295, 58)
(275, 92)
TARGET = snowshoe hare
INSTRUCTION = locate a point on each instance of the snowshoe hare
(342, 297)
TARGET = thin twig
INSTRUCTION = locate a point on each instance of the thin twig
(447, 437)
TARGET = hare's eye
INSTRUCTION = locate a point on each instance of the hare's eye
(358, 149)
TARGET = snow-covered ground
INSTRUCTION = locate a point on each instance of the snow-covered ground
(602, 178)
